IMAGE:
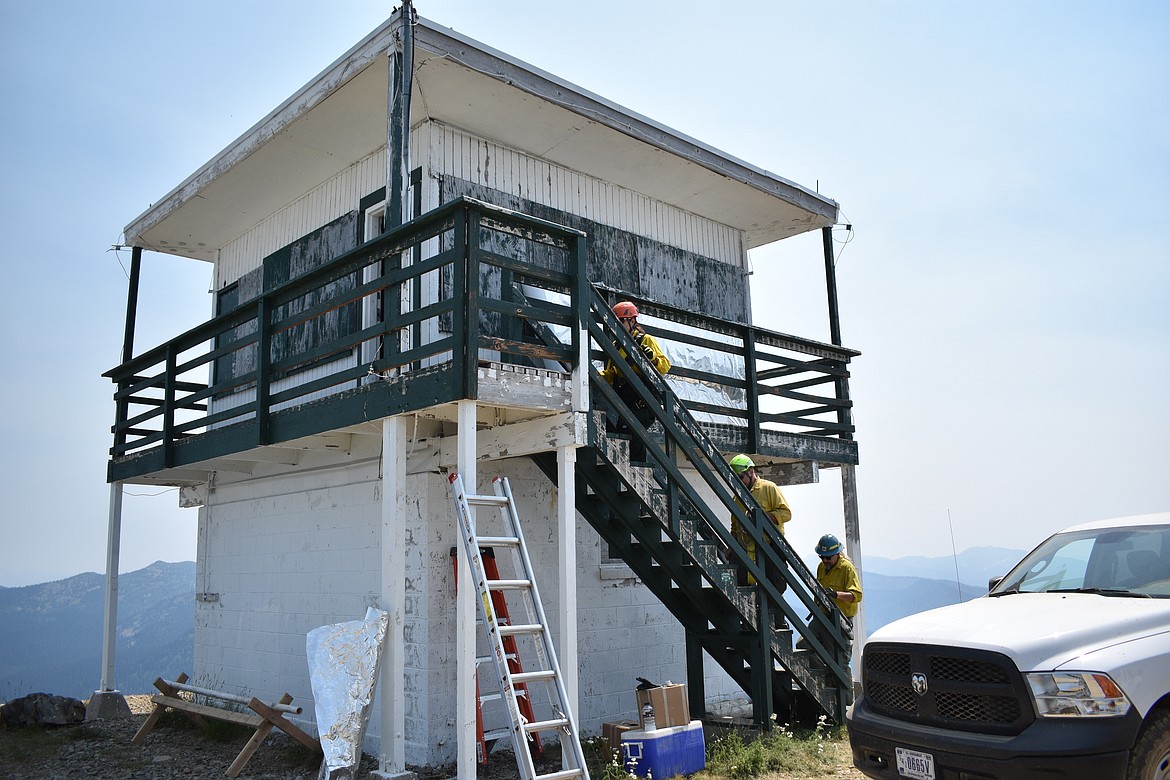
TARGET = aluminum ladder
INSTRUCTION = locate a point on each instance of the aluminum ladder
(561, 718)
(485, 739)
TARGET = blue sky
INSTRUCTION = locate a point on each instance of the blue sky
(1005, 165)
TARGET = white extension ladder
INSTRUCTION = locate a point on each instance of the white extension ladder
(534, 628)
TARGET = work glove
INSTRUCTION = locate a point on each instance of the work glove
(646, 350)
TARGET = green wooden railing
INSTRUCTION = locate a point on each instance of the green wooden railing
(435, 296)
(439, 290)
(750, 377)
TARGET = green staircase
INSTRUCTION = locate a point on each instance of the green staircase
(653, 518)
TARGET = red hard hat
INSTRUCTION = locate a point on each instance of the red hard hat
(625, 310)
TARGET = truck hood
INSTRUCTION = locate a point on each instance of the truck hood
(1039, 631)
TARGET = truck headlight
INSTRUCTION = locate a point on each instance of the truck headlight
(1076, 694)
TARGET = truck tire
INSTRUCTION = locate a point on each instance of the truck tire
(1150, 757)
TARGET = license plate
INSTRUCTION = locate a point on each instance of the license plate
(915, 765)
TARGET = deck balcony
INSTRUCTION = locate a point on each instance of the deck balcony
(469, 301)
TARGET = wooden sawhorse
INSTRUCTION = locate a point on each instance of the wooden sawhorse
(263, 718)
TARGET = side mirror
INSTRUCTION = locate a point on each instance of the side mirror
(991, 583)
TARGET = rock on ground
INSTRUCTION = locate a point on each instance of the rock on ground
(42, 709)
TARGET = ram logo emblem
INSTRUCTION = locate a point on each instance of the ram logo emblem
(918, 683)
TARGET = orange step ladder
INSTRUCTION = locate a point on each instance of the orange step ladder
(500, 605)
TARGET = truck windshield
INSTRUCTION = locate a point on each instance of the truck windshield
(1127, 561)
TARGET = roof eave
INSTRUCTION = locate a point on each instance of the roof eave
(447, 43)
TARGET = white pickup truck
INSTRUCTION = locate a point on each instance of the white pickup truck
(1061, 671)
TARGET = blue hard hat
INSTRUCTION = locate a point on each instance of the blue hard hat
(828, 546)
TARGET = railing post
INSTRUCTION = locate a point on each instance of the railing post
(582, 294)
(844, 413)
(132, 303)
(458, 293)
(751, 390)
(392, 310)
(831, 285)
(263, 369)
(471, 296)
(121, 412)
(122, 407)
(168, 431)
(841, 384)
(416, 255)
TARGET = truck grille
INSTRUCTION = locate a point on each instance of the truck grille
(958, 688)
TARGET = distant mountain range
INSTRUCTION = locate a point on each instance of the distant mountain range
(897, 587)
(51, 636)
(975, 565)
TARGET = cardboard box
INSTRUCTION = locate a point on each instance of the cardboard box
(668, 752)
(612, 732)
(670, 705)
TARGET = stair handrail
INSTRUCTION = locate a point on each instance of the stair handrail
(681, 426)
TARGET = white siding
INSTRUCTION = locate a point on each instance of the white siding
(447, 151)
(287, 554)
(456, 153)
(319, 206)
(282, 556)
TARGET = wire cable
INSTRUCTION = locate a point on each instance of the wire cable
(148, 495)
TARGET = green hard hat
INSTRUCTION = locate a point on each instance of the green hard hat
(741, 463)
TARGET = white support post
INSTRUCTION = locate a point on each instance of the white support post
(113, 555)
(465, 607)
(107, 702)
(567, 563)
(580, 378)
(392, 682)
(853, 550)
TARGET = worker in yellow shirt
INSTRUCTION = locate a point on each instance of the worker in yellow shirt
(838, 577)
(772, 501)
(627, 314)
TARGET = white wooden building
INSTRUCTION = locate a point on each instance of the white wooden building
(315, 417)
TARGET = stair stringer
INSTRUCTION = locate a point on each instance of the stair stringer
(684, 571)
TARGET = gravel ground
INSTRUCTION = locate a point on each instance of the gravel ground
(174, 749)
(102, 750)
